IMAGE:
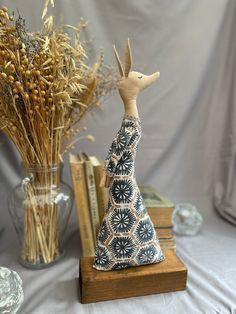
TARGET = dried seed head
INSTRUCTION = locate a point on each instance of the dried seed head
(18, 84)
(20, 68)
(25, 61)
(26, 96)
(12, 67)
(4, 9)
(91, 138)
(11, 78)
(3, 75)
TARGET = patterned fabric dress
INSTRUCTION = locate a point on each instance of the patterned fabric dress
(127, 236)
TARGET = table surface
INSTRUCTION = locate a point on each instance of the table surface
(210, 257)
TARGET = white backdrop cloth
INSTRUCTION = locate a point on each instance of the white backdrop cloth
(188, 138)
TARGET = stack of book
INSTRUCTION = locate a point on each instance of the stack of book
(90, 198)
(160, 210)
(91, 202)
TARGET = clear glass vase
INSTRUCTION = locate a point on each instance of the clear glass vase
(40, 207)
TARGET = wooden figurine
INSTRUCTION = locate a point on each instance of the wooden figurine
(127, 236)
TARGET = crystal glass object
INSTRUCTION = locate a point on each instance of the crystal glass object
(40, 207)
(11, 292)
(186, 219)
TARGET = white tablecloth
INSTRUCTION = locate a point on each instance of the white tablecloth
(211, 287)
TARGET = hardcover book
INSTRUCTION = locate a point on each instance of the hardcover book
(82, 205)
(102, 196)
(92, 193)
(153, 198)
(159, 207)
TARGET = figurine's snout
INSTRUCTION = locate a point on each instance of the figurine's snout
(155, 76)
(151, 79)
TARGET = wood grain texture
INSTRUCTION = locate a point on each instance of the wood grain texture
(169, 275)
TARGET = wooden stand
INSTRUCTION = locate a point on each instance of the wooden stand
(96, 285)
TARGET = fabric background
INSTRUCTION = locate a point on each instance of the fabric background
(188, 121)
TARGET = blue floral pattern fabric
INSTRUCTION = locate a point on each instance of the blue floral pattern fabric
(127, 236)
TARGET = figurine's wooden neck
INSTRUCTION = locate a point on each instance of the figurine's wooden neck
(130, 107)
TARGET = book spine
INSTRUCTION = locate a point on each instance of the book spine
(102, 196)
(92, 196)
(82, 207)
(164, 233)
(165, 247)
(161, 216)
(168, 244)
(104, 201)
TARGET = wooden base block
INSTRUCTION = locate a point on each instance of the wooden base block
(96, 285)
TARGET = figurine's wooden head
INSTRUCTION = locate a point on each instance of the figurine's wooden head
(132, 82)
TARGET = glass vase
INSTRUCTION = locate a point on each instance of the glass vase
(40, 207)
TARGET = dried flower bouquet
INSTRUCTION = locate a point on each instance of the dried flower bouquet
(46, 89)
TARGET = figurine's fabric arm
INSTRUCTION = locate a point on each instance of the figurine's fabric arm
(117, 149)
